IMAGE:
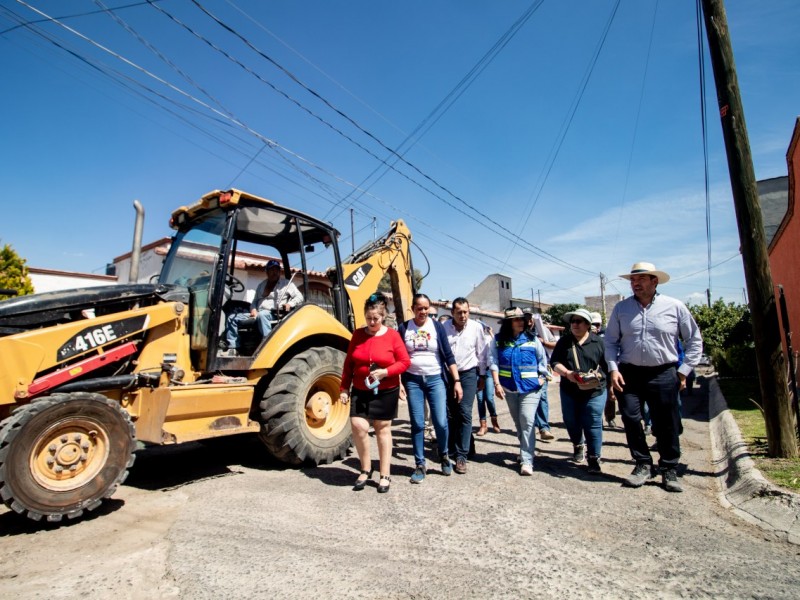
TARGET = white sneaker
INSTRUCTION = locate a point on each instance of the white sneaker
(526, 470)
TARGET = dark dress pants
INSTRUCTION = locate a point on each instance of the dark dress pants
(658, 387)
(460, 414)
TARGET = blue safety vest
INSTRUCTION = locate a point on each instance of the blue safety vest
(518, 364)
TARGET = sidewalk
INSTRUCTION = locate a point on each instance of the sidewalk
(743, 488)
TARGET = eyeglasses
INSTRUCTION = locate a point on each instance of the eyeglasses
(576, 321)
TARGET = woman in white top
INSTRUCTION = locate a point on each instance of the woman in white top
(431, 356)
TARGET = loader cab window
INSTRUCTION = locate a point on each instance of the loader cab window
(193, 253)
(190, 263)
(307, 250)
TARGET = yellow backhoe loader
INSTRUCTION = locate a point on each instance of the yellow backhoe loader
(86, 374)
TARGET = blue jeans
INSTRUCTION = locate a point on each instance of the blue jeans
(232, 325)
(486, 398)
(522, 408)
(542, 421)
(584, 420)
(432, 388)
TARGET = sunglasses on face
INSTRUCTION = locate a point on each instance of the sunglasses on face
(577, 321)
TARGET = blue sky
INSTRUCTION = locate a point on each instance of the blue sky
(590, 161)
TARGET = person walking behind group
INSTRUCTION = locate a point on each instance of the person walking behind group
(641, 351)
(577, 352)
(486, 395)
(522, 373)
(610, 411)
(542, 422)
(470, 350)
(375, 359)
(430, 352)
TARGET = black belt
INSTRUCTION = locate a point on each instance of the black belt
(469, 370)
(656, 369)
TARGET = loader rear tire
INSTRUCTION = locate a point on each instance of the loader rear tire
(64, 453)
(302, 418)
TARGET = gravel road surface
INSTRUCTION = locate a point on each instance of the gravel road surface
(222, 521)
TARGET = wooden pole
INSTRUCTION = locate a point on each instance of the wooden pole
(770, 359)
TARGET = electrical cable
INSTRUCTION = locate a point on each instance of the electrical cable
(702, 73)
(161, 56)
(565, 126)
(84, 14)
(636, 125)
(719, 264)
(454, 94)
(539, 251)
(270, 143)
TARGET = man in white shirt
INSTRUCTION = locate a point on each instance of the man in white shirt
(472, 354)
(273, 295)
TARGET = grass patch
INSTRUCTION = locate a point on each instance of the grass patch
(739, 394)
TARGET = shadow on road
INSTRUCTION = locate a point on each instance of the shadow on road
(170, 467)
(12, 524)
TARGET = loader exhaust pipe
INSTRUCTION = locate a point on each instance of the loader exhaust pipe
(136, 251)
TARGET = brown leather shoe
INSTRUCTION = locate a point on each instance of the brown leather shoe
(495, 425)
(461, 466)
(482, 431)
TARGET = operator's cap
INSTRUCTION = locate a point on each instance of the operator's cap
(272, 263)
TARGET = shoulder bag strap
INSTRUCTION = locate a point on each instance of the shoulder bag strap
(575, 355)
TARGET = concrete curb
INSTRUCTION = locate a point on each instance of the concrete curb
(743, 488)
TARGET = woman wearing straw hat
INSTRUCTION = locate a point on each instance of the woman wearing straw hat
(522, 374)
(577, 352)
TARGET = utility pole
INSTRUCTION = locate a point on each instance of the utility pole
(352, 232)
(770, 359)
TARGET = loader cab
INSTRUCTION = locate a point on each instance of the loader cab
(219, 253)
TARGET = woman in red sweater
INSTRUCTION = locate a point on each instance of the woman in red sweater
(371, 379)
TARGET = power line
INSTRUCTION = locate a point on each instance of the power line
(565, 126)
(702, 73)
(239, 123)
(730, 258)
(636, 122)
(541, 252)
(454, 94)
(161, 56)
(84, 14)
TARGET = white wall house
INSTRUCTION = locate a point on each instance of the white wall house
(51, 280)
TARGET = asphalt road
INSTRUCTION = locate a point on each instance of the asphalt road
(221, 521)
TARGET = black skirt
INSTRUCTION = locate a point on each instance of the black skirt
(369, 405)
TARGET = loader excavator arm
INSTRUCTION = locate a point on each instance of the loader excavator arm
(389, 254)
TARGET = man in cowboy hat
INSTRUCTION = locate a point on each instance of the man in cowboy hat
(641, 351)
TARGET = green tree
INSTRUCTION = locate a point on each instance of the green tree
(555, 314)
(13, 273)
(727, 335)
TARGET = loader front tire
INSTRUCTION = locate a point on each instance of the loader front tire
(62, 454)
(302, 419)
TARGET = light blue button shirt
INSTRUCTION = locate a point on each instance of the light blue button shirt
(647, 336)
